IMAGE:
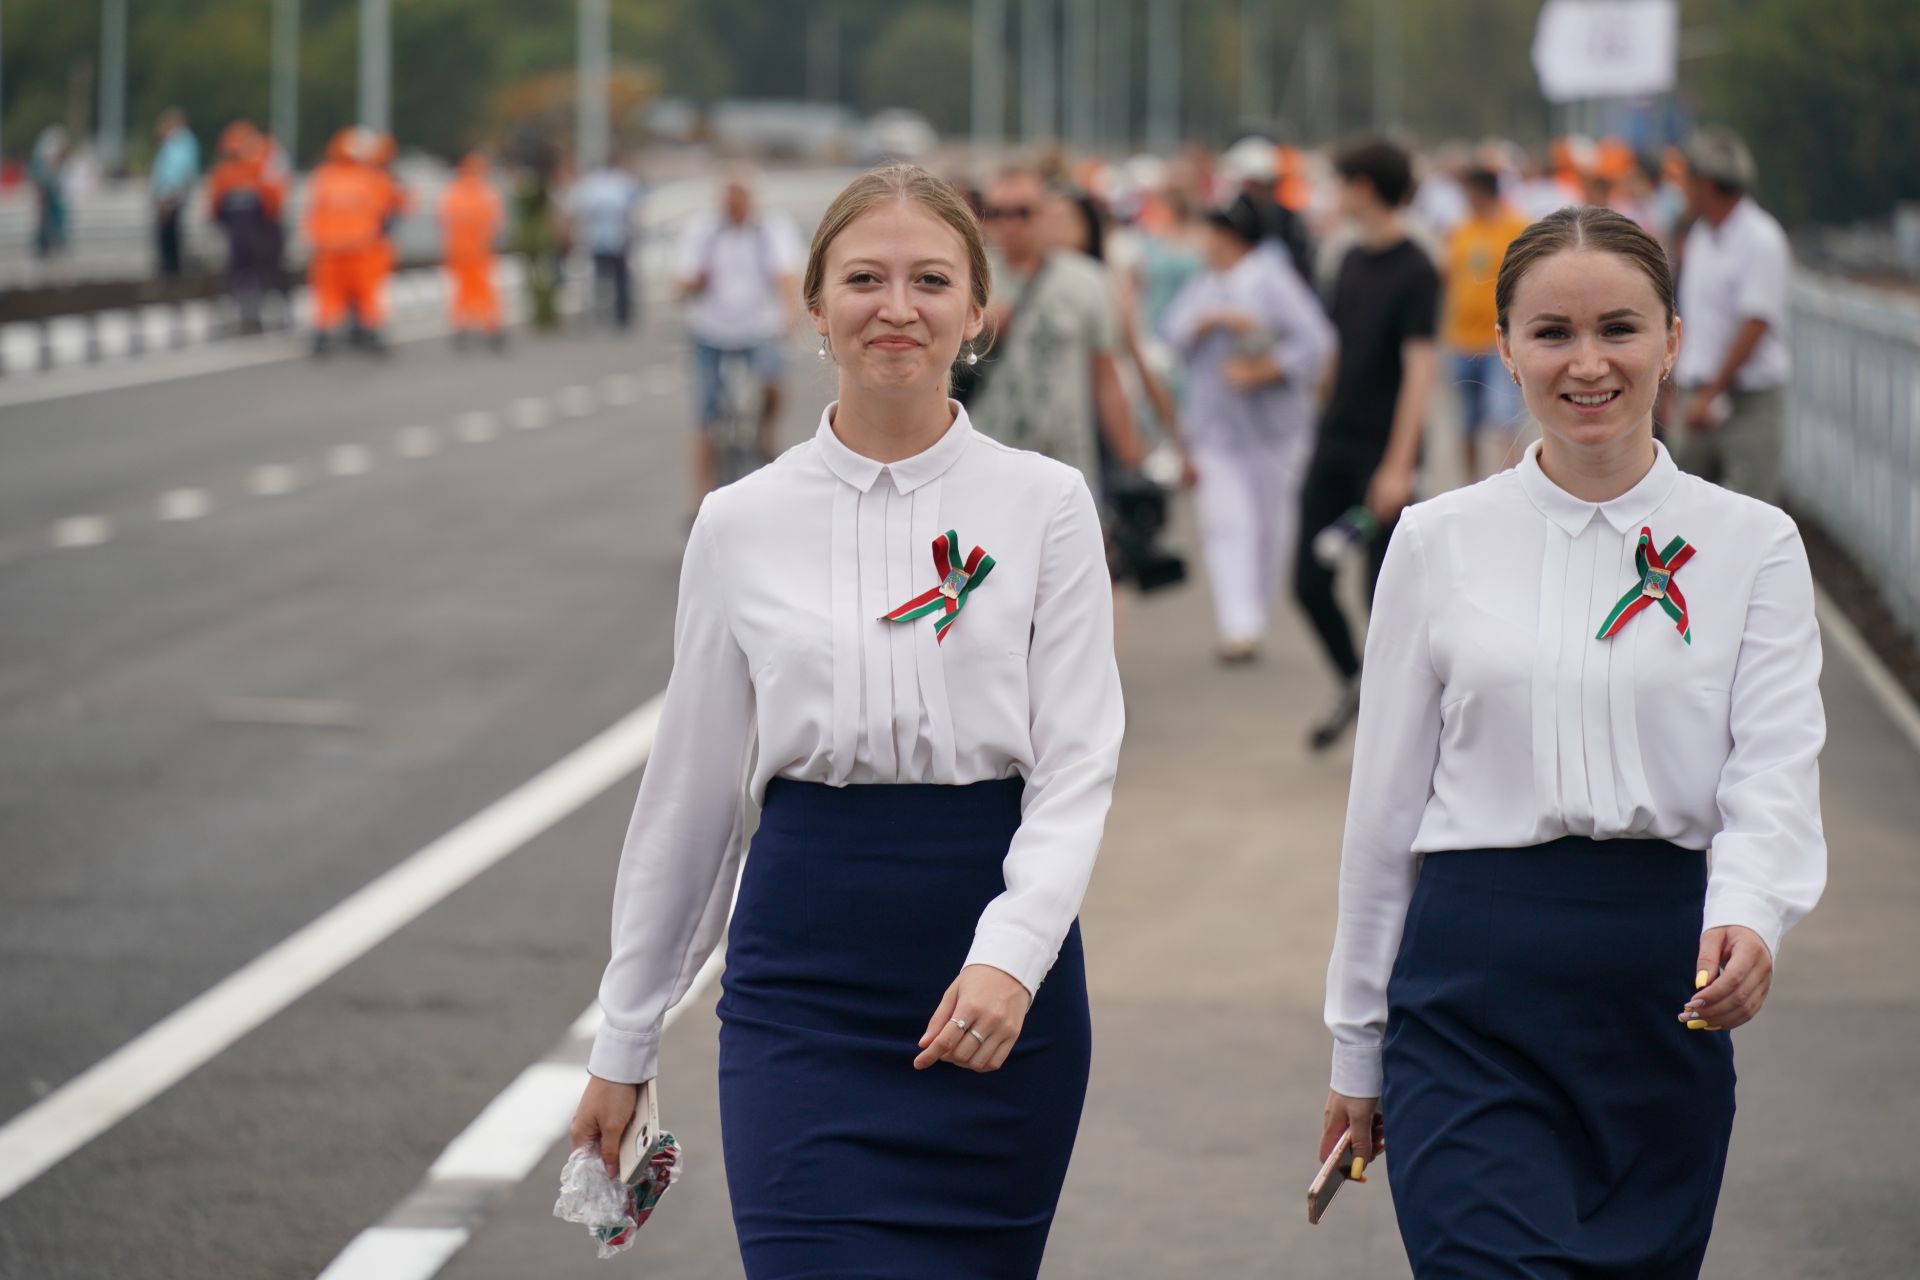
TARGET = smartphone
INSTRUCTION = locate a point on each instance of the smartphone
(1335, 1173)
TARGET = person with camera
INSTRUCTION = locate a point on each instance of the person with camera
(1253, 339)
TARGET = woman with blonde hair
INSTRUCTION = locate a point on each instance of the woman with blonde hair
(897, 639)
(1585, 808)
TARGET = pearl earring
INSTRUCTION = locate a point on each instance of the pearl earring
(973, 356)
(823, 353)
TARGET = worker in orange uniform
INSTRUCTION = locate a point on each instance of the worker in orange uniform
(471, 215)
(394, 206)
(245, 197)
(348, 200)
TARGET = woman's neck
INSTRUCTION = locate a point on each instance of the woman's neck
(889, 428)
(1603, 473)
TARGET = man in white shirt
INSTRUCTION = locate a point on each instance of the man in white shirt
(1733, 366)
(740, 271)
(603, 206)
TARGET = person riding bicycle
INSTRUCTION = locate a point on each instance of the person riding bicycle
(739, 271)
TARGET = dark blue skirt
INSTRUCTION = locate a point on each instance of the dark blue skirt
(1546, 1114)
(856, 911)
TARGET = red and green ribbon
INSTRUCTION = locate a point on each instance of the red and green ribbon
(957, 582)
(1656, 585)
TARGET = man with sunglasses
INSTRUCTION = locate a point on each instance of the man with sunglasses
(1053, 329)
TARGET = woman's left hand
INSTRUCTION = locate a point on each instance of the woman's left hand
(1739, 969)
(989, 1001)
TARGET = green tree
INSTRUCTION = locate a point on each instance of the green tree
(923, 60)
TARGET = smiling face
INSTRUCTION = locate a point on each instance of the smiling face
(895, 300)
(1589, 338)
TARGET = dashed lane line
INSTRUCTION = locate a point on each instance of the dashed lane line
(185, 1040)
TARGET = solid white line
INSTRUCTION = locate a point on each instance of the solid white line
(529, 413)
(1835, 626)
(396, 1253)
(507, 1139)
(134, 1075)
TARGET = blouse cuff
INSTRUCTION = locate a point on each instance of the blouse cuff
(1356, 1070)
(624, 1057)
(1013, 951)
(1733, 904)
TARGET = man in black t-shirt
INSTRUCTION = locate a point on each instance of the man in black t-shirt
(1385, 305)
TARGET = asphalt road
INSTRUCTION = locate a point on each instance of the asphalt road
(214, 729)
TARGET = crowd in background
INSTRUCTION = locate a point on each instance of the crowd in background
(1269, 326)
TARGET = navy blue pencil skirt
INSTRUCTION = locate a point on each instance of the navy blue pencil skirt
(857, 907)
(1546, 1115)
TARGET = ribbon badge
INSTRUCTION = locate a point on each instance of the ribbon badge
(1656, 585)
(957, 582)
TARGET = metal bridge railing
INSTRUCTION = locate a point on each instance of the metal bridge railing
(1853, 428)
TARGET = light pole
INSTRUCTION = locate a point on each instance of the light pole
(1256, 52)
(1037, 71)
(111, 137)
(1082, 105)
(285, 93)
(989, 80)
(1163, 74)
(376, 66)
(591, 133)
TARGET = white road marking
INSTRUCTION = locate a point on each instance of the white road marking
(80, 531)
(507, 1139)
(617, 388)
(576, 401)
(504, 1143)
(184, 504)
(397, 1253)
(272, 480)
(1835, 626)
(417, 442)
(529, 413)
(349, 460)
(126, 1080)
(477, 426)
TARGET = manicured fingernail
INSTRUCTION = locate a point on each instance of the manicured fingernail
(1359, 1167)
(1698, 1025)
(1701, 979)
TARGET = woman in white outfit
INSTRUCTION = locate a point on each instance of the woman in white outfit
(1254, 338)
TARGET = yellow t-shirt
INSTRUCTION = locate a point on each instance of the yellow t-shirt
(1474, 251)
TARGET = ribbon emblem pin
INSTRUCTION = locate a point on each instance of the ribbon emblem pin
(957, 581)
(1656, 586)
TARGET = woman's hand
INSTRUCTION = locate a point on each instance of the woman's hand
(1362, 1117)
(602, 1117)
(989, 1001)
(1738, 971)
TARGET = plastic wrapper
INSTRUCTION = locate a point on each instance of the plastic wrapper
(613, 1211)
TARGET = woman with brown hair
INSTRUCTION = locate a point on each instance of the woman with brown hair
(1585, 800)
(897, 639)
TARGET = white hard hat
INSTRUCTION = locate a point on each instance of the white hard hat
(1250, 160)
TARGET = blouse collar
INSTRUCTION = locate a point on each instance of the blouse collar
(1626, 512)
(908, 474)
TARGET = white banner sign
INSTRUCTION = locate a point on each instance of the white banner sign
(1606, 48)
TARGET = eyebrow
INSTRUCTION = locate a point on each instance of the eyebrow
(1618, 313)
(924, 262)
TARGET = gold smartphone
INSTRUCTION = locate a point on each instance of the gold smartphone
(1334, 1174)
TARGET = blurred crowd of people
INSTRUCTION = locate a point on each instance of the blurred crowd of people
(1275, 327)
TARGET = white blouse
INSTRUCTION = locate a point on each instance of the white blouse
(1492, 717)
(783, 667)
